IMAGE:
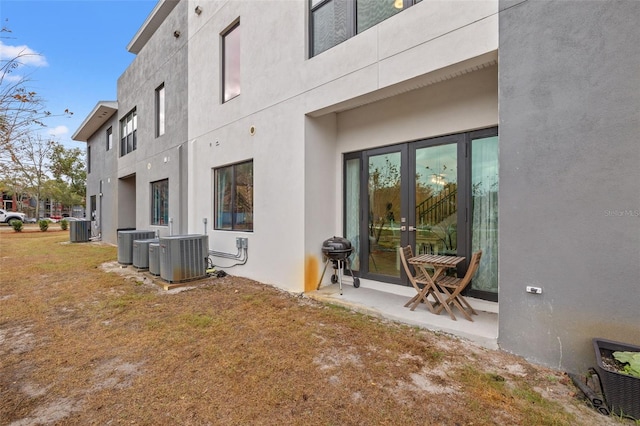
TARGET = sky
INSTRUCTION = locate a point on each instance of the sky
(82, 51)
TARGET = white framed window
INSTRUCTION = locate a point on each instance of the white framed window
(231, 62)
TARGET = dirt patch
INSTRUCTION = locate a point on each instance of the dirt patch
(17, 339)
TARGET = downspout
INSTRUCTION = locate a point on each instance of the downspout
(100, 212)
(182, 219)
(190, 192)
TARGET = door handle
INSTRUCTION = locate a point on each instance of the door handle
(411, 228)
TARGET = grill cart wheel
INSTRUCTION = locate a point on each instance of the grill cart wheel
(337, 251)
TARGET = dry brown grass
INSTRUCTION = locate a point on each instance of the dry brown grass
(79, 345)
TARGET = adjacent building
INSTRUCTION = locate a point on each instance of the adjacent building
(503, 126)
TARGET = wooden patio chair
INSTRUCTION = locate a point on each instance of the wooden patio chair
(417, 279)
(452, 287)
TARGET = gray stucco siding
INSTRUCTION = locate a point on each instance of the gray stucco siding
(569, 156)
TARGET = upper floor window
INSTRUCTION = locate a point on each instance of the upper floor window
(231, 62)
(234, 197)
(160, 202)
(109, 138)
(331, 23)
(334, 21)
(89, 159)
(128, 132)
(160, 108)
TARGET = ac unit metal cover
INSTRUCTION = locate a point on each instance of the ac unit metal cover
(183, 257)
(141, 252)
(125, 244)
(79, 231)
(154, 258)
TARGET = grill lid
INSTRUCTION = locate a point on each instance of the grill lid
(336, 244)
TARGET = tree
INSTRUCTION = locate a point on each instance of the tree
(68, 169)
(29, 164)
(62, 192)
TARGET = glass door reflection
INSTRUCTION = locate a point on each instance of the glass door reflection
(384, 200)
(436, 199)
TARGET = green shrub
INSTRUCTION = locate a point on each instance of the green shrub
(17, 225)
(64, 224)
(43, 224)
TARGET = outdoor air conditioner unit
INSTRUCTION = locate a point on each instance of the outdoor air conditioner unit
(125, 244)
(183, 257)
(154, 258)
(141, 252)
(79, 231)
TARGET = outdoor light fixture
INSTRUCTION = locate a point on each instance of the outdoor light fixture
(398, 4)
(198, 10)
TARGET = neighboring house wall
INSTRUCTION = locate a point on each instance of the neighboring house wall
(569, 173)
(162, 60)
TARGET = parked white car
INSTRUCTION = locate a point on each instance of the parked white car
(7, 217)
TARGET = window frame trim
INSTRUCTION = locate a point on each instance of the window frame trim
(232, 195)
(352, 20)
(151, 219)
(110, 138)
(223, 50)
(158, 105)
(133, 113)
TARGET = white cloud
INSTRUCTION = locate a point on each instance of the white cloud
(58, 131)
(12, 78)
(25, 55)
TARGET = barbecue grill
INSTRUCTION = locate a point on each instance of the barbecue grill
(337, 251)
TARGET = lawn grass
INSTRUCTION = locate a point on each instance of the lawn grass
(79, 345)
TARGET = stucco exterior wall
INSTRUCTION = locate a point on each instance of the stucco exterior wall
(322, 204)
(163, 60)
(460, 104)
(103, 167)
(569, 178)
(292, 101)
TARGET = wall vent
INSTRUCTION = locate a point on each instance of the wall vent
(183, 257)
(141, 252)
(125, 244)
(154, 258)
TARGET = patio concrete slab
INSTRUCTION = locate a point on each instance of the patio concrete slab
(387, 301)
